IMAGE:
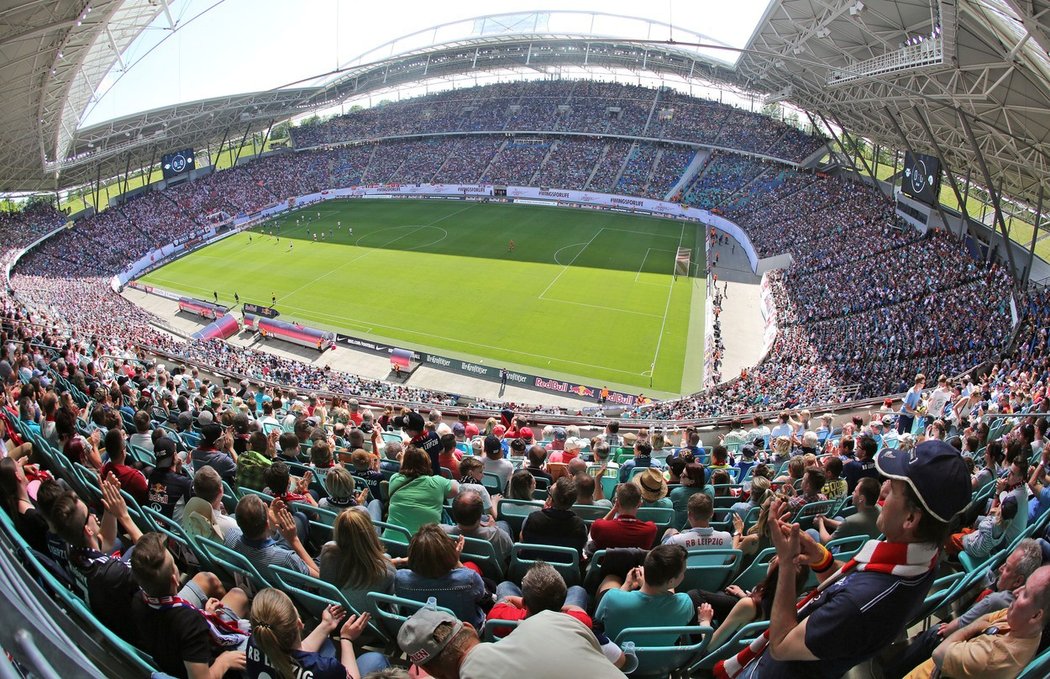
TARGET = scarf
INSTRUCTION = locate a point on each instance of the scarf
(224, 635)
(903, 559)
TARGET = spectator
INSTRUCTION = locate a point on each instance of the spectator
(194, 632)
(556, 524)
(653, 487)
(467, 511)
(416, 496)
(435, 570)
(862, 522)
(548, 645)
(997, 645)
(700, 534)
(621, 526)
(208, 454)
(255, 524)
(647, 598)
(1014, 572)
(522, 485)
(354, 560)
(130, 479)
(927, 487)
(495, 463)
(168, 489)
(276, 644)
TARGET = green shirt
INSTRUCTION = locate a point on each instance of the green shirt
(414, 502)
(250, 469)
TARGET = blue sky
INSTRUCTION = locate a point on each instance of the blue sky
(229, 46)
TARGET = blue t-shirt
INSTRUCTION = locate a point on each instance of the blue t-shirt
(848, 623)
(314, 665)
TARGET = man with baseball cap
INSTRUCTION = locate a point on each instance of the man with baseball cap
(860, 606)
(549, 644)
(415, 426)
(169, 489)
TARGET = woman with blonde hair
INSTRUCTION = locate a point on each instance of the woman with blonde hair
(490, 426)
(354, 560)
(277, 648)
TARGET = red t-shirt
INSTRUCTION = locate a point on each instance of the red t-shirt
(623, 531)
(131, 480)
(505, 611)
(451, 462)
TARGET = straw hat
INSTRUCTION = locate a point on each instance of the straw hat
(652, 484)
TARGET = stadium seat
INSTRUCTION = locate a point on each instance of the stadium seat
(665, 661)
(483, 555)
(756, 571)
(733, 645)
(393, 611)
(514, 512)
(565, 560)
(710, 569)
(313, 595)
(237, 568)
(663, 517)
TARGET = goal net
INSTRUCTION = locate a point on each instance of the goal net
(683, 262)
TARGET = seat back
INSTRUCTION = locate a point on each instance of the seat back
(710, 569)
(483, 554)
(313, 595)
(804, 516)
(733, 645)
(393, 611)
(395, 538)
(565, 560)
(756, 571)
(190, 549)
(515, 511)
(663, 517)
(239, 569)
(656, 658)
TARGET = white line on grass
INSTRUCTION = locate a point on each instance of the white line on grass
(642, 266)
(566, 267)
(598, 306)
(670, 289)
(370, 251)
(307, 313)
(643, 233)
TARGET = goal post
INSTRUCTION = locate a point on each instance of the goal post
(683, 262)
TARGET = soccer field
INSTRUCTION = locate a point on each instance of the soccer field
(584, 294)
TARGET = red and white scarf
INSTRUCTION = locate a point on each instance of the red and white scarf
(903, 559)
(224, 635)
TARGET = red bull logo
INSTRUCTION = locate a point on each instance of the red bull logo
(581, 390)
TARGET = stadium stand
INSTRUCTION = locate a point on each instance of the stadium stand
(79, 377)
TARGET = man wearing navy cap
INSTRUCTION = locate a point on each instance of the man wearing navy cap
(430, 442)
(860, 606)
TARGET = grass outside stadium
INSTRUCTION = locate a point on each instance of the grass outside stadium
(582, 294)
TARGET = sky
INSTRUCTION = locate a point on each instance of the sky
(231, 46)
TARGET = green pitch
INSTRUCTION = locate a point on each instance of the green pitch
(584, 294)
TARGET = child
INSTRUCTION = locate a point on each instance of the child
(366, 467)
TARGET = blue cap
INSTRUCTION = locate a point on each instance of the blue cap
(935, 471)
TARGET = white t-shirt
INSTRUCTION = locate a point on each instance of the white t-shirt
(938, 400)
(699, 538)
(548, 645)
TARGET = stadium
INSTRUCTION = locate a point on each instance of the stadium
(569, 323)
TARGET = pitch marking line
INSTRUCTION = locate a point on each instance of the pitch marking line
(598, 306)
(566, 267)
(559, 250)
(642, 265)
(308, 313)
(365, 254)
(667, 307)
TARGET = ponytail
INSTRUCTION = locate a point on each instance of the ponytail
(275, 630)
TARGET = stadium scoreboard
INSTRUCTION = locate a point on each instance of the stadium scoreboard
(177, 162)
(922, 177)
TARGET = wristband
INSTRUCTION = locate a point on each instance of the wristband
(825, 563)
(346, 639)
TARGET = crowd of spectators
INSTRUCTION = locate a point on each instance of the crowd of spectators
(865, 300)
(568, 106)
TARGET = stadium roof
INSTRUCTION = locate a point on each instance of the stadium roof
(976, 72)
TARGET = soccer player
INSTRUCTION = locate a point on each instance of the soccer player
(216, 296)
(511, 245)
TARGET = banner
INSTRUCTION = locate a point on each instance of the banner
(257, 310)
